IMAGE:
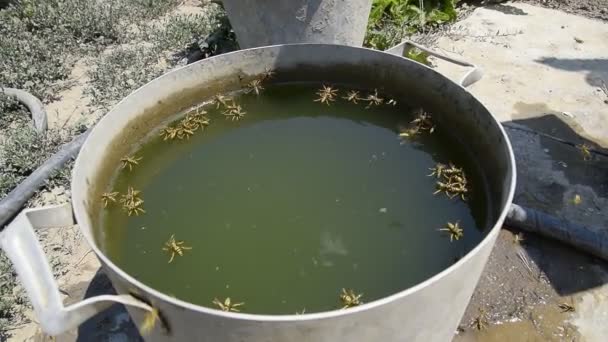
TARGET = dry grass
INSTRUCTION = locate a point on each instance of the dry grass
(129, 43)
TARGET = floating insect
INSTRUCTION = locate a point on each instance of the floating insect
(184, 132)
(585, 151)
(220, 100)
(453, 170)
(437, 170)
(149, 321)
(565, 307)
(132, 195)
(577, 199)
(349, 299)
(268, 74)
(391, 102)
(178, 132)
(459, 180)
(129, 161)
(352, 96)
(454, 231)
(452, 189)
(409, 132)
(108, 197)
(132, 203)
(169, 133)
(194, 121)
(451, 180)
(255, 86)
(480, 322)
(423, 122)
(518, 238)
(301, 312)
(134, 208)
(234, 112)
(227, 305)
(186, 127)
(175, 248)
(374, 99)
(326, 95)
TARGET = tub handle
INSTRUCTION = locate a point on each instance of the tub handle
(469, 78)
(21, 245)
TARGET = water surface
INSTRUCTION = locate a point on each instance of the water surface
(294, 202)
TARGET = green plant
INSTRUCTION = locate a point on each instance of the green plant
(418, 56)
(391, 20)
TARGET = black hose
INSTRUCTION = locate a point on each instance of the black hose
(14, 201)
(33, 105)
(586, 239)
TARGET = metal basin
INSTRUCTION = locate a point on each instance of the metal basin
(429, 311)
(312, 21)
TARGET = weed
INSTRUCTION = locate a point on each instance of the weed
(180, 32)
(392, 20)
(120, 72)
(12, 298)
(418, 56)
(24, 149)
(33, 62)
(126, 68)
(12, 113)
(126, 42)
(88, 21)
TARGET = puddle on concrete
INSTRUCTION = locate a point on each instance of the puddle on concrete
(545, 323)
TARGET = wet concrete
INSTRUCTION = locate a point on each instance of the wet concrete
(521, 303)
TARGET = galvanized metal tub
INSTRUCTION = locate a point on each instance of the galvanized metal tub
(429, 311)
(270, 22)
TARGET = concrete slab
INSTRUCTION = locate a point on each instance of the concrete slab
(536, 56)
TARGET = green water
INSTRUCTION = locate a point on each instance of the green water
(293, 203)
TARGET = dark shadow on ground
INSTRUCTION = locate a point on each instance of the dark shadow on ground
(596, 68)
(562, 144)
(5, 3)
(507, 9)
(113, 324)
(568, 271)
(542, 187)
(221, 40)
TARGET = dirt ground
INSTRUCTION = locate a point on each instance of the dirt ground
(597, 9)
